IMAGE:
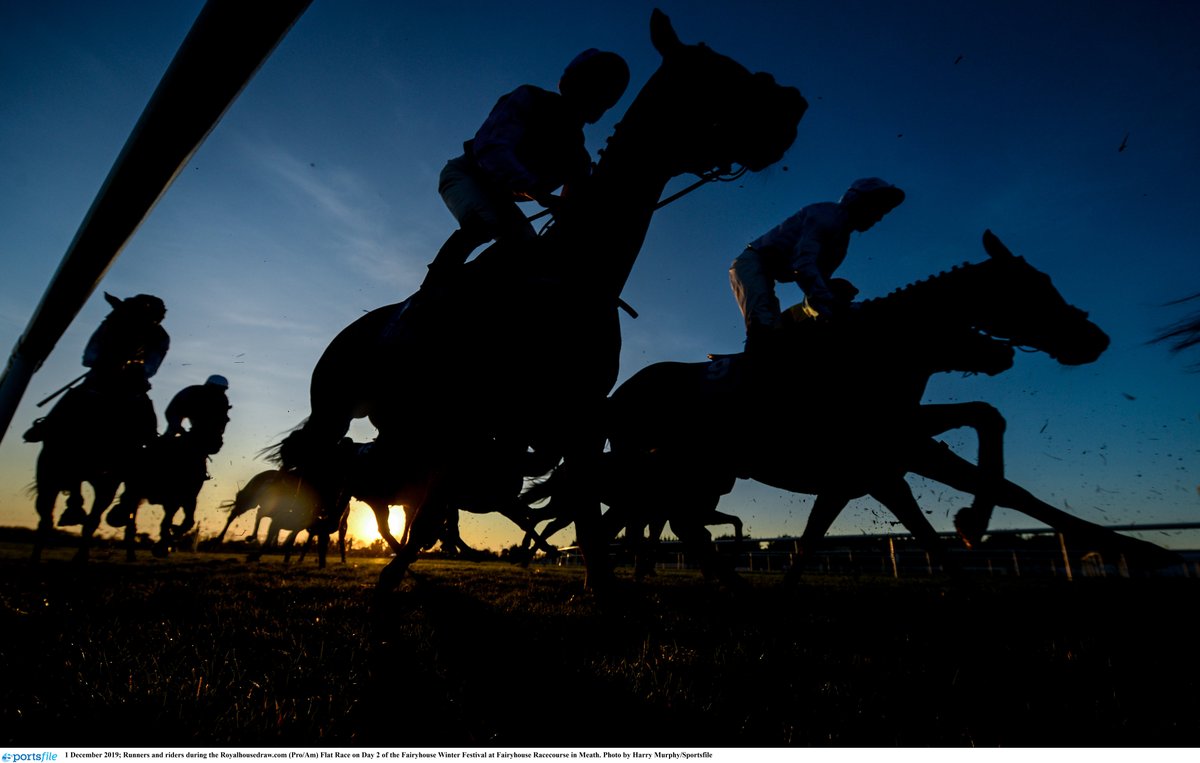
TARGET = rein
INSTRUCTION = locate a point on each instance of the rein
(717, 174)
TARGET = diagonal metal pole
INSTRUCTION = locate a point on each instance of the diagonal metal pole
(226, 45)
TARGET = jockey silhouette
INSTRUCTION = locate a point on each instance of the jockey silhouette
(122, 354)
(807, 248)
(180, 454)
(205, 407)
(531, 144)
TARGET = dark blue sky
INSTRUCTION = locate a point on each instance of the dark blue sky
(315, 199)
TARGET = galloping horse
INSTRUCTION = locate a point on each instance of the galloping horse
(858, 382)
(169, 472)
(99, 450)
(94, 433)
(290, 505)
(419, 364)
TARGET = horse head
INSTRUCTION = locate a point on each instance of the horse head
(1030, 311)
(1002, 298)
(702, 110)
(139, 309)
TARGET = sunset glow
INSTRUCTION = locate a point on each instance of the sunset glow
(363, 528)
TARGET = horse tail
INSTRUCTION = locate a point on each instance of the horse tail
(310, 445)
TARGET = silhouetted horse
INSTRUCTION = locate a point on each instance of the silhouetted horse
(98, 448)
(94, 433)
(169, 472)
(637, 507)
(430, 372)
(289, 505)
(856, 387)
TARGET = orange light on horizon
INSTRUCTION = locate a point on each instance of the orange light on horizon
(362, 527)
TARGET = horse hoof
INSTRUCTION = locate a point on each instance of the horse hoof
(390, 578)
(72, 516)
(970, 525)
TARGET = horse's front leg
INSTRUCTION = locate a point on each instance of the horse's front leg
(103, 493)
(166, 539)
(934, 460)
(189, 518)
(424, 508)
(580, 495)
(130, 512)
(44, 503)
(989, 425)
(343, 527)
(288, 544)
(73, 514)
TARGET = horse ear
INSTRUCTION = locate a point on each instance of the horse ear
(662, 34)
(112, 301)
(993, 246)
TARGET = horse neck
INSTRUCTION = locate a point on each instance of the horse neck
(604, 225)
(933, 326)
(965, 294)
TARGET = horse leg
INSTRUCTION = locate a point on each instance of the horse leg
(896, 495)
(934, 460)
(259, 516)
(646, 542)
(103, 493)
(698, 540)
(343, 526)
(129, 511)
(518, 514)
(825, 509)
(229, 521)
(382, 512)
(46, 499)
(73, 514)
(581, 495)
(422, 524)
(166, 540)
(989, 425)
(312, 537)
(288, 543)
(189, 517)
(721, 518)
(44, 502)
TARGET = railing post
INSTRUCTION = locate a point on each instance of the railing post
(1062, 544)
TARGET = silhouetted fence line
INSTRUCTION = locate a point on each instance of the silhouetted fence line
(1037, 552)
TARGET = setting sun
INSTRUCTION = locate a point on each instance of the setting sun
(363, 528)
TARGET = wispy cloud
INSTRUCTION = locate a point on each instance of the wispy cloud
(352, 212)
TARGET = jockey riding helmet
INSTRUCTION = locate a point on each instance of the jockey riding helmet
(596, 80)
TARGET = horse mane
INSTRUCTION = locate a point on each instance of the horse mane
(918, 294)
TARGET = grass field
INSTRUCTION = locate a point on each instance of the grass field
(208, 649)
